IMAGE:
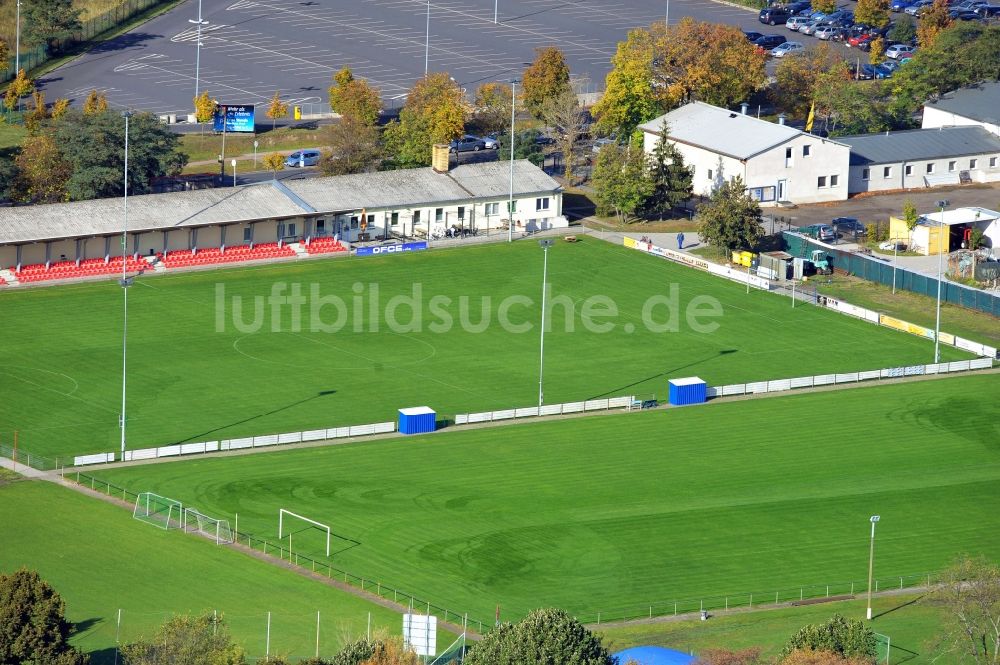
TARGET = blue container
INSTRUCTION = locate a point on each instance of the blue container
(691, 390)
(417, 420)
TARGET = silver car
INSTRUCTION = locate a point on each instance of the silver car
(794, 22)
(825, 32)
(810, 27)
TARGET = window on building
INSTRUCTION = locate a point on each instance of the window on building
(788, 157)
(993, 162)
(321, 227)
(438, 214)
(710, 174)
(909, 169)
(930, 168)
(865, 174)
(834, 180)
(461, 212)
(394, 220)
(805, 150)
(973, 163)
(951, 166)
(492, 208)
(542, 204)
(416, 216)
(886, 171)
(821, 181)
(246, 234)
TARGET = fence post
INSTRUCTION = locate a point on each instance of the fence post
(775, 597)
(852, 588)
(751, 601)
(598, 618)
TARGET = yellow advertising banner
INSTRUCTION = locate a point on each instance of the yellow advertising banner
(905, 326)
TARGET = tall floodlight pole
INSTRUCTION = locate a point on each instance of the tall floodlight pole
(510, 200)
(197, 58)
(666, 16)
(17, 41)
(545, 244)
(125, 285)
(496, 4)
(943, 238)
(427, 40)
(871, 559)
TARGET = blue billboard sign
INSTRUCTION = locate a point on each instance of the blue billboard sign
(391, 249)
(238, 118)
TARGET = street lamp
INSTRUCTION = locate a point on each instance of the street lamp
(871, 560)
(233, 162)
(545, 244)
(125, 283)
(666, 17)
(427, 39)
(197, 59)
(17, 41)
(510, 200)
(495, 8)
(942, 239)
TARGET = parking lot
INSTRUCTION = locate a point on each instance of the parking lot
(250, 48)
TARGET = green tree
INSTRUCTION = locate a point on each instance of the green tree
(910, 217)
(825, 6)
(277, 108)
(8, 179)
(274, 162)
(850, 638)
(629, 98)
(544, 636)
(872, 12)
(186, 639)
(731, 217)
(4, 55)
(493, 107)
(434, 113)
(796, 78)
(33, 625)
(354, 148)
(94, 145)
(525, 147)
(547, 78)
(670, 177)
(563, 112)
(356, 652)
(621, 180)
(355, 98)
(851, 107)
(50, 22)
(904, 30)
(42, 171)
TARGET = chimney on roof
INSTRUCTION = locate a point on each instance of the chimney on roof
(781, 118)
(440, 158)
(743, 107)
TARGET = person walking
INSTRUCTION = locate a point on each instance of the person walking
(680, 240)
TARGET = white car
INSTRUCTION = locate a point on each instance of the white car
(807, 26)
(794, 22)
(492, 143)
(788, 48)
(825, 32)
(896, 50)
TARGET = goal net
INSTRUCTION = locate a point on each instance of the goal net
(158, 510)
(197, 522)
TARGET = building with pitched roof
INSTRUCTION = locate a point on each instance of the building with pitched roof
(978, 105)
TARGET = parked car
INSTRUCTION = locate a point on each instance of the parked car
(889, 66)
(897, 50)
(840, 17)
(752, 36)
(826, 32)
(823, 232)
(918, 7)
(492, 142)
(543, 139)
(859, 39)
(849, 226)
(303, 158)
(794, 22)
(773, 15)
(808, 26)
(799, 6)
(768, 42)
(864, 72)
(467, 143)
(788, 48)
(900, 5)
(987, 12)
(966, 15)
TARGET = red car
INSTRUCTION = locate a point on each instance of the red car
(859, 40)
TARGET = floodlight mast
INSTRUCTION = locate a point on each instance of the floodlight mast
(125, 284)
(871, 559)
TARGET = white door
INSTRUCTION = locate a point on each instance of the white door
(781, 189)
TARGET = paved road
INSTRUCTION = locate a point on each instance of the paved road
(253, 47)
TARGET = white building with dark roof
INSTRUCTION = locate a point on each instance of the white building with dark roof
(978, 105)
(922, 158)
(778, 163)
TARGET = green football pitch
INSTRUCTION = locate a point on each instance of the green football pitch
(613, 513)
(101, 561)
(196, 375)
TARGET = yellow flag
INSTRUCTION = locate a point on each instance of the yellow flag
(812, 116)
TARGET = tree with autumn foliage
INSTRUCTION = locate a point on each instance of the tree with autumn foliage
(874, 13)
(629, 98)
(876, 52)
(42, 171)
(204, 108)
(796, 88)
(493, 108)
(709, 62)
(4, 55)
(277, 108)
(547, 78)
(565, 114)
(434, 112)
(97, 102)
(825, 6)
(37, 114)
(16, 89)
(274, 162)
(355, 98)
(932, 22)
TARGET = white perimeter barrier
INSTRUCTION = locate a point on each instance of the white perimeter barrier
(545, 410)
(99, 458)
(778, 385)
(728, 272)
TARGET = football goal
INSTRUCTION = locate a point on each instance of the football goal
(197, 522)
(319, 525)
(158, 510)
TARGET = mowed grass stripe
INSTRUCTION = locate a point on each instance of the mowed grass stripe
(606, 512)
(101, 560)
(60, 365)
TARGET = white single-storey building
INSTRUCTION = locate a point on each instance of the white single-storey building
(922, 158)
(412, 203)
(932, 228)
(978, 105)
(778, 163)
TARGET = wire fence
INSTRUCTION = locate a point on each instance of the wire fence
(34, 57)
(323, 569)
(29, 459)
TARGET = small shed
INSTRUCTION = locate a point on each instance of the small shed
(417, 420)
(690, 390)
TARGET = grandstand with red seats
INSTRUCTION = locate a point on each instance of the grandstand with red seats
(214, 255)
(39, 272)
(324, 246)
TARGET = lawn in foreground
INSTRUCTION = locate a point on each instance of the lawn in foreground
(101, 560)
(613, 513)
(912, 625)
(195, 375)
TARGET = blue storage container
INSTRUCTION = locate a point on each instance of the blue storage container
(417, 420)
(690, 390)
